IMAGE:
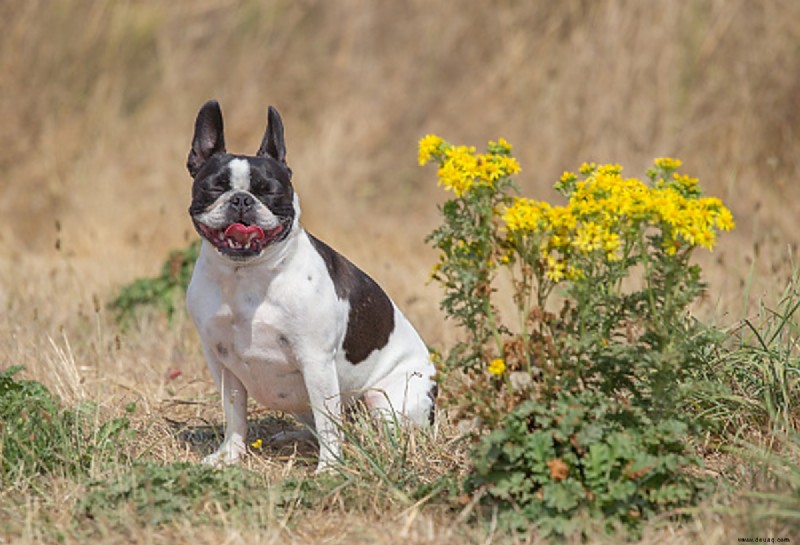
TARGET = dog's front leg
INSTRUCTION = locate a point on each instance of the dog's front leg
(234, 403)
(322, 384)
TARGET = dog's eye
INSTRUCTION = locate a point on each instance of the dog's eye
(215, 191)
(266, 187)
(214, 187)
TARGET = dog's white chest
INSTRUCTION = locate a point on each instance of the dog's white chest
(257, 329)
(248, 342)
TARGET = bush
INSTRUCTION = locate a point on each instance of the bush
(578, 403)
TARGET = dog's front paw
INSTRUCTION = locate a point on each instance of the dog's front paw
(229, 453)
(325, 466)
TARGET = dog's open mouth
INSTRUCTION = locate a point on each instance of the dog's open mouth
(240, 240)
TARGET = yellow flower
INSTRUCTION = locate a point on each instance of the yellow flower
(568, 177)
(573, 273)
(560, 216)
(587, 168)
(428, 147)
(524, 214)
(609, 170)
(490, 170)
(510, 166)
(501, 146)
(667, 163)
(611, 243)
(556, 270)
(257, 444)
(453, 179)
(724, 219)
(497, 367)
(461, 169)
(685, 180)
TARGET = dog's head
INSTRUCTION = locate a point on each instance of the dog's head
(241, 204)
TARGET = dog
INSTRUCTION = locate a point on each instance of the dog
(282, 317)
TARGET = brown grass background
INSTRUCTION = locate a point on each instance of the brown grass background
(99, 98)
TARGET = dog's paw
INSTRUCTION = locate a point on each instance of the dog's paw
(325, 467)
(227, 454)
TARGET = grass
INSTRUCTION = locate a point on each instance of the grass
(96, 126)
(107, 484)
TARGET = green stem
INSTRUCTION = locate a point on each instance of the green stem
(487, 307)
(646, 263)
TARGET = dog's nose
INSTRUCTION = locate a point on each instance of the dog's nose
(242, 201)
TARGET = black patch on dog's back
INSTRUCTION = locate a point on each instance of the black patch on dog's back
(371, 318)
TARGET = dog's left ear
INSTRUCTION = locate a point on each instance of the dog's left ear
(273, 145)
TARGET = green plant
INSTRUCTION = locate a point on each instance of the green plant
(155, 494)
(164, 292)
(574, 464)
(579, 400)
(39, 437)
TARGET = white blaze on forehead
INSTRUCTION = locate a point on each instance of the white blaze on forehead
(240, 174)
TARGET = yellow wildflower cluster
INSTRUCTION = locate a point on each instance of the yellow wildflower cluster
(461, 168)
(667, 163)
(428, 147)
(605, 210)
(525, 214)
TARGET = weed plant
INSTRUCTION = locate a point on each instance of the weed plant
(154, 494)
(38, 437)
(578, 403)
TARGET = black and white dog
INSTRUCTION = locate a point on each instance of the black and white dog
(283, 317)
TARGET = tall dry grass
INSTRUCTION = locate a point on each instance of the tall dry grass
(99, 100)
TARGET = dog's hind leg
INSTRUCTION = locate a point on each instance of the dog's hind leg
(406, 399)
(305, 434)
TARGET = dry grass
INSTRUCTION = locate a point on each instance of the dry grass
(100, 98)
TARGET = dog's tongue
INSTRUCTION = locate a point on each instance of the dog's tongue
(243, 234)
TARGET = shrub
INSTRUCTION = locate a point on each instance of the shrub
(578, 400)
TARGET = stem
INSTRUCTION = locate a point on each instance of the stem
(646, 263)
(487, 307)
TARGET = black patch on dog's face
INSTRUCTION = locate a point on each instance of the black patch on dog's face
(371, 319)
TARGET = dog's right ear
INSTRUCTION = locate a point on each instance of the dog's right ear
(209, 138)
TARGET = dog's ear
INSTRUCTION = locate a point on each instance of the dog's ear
(273, 145)
(208, 137)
